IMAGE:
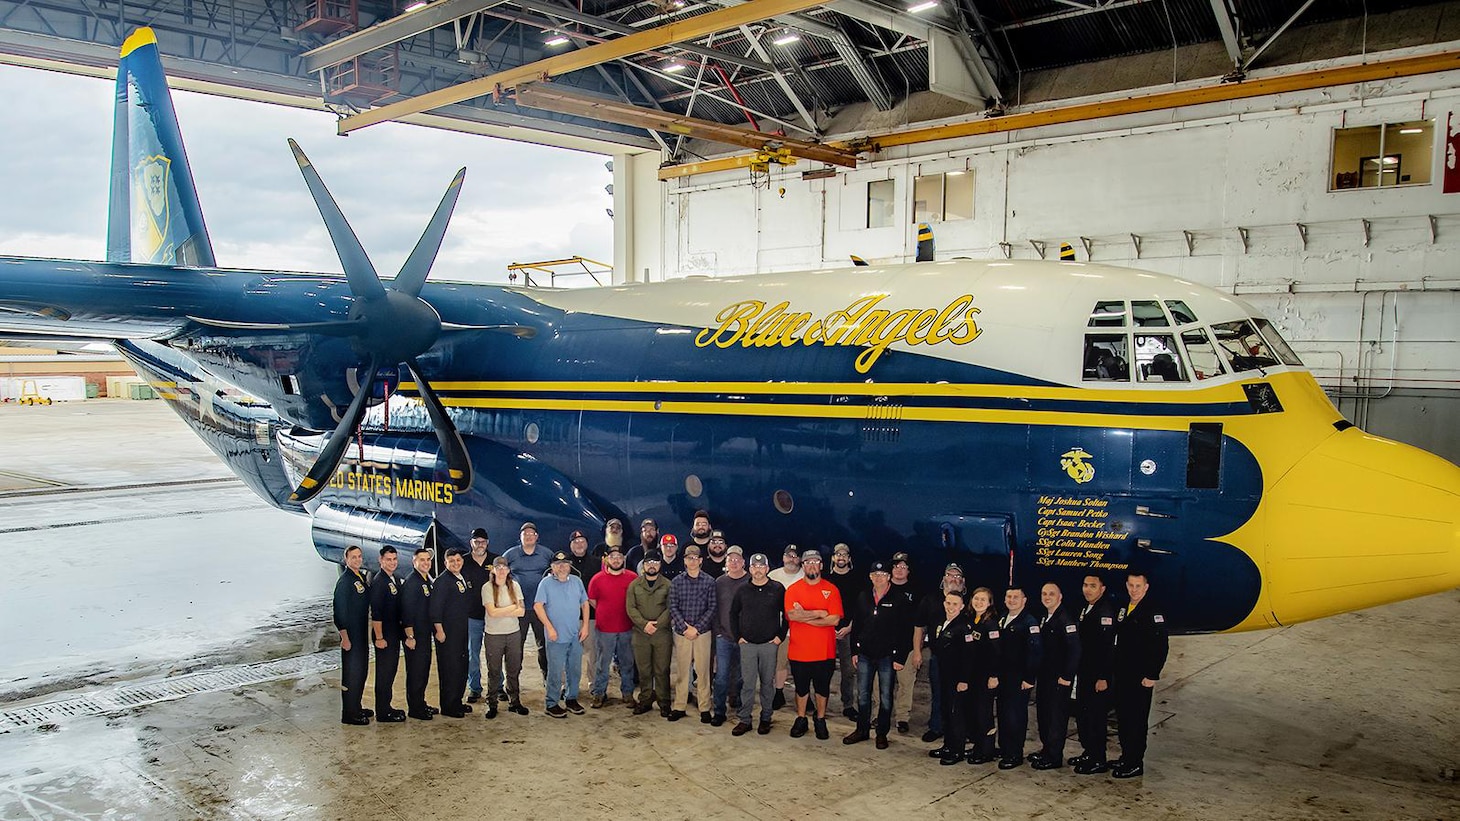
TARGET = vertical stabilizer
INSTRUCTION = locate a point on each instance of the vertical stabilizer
(154, 216)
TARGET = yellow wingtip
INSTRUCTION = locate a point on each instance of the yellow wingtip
(141, 37)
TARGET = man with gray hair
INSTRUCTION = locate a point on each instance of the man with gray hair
(758, 625)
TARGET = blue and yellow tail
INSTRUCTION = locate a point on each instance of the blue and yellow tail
(155, 216)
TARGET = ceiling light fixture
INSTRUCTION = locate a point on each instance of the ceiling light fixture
(674, 65)
(785, 38)
(1411, 131)
(921, 7)
(416, 6)
(555, 39)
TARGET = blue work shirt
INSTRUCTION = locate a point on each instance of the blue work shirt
(563, 602)
(528, 570)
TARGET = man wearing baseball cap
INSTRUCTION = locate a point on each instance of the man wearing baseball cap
(672, 560)
(727, 653)
(648, 540)
(562, 607)
(813, 607)
(608, 593)
(478, 570)
(851, 586)
(928, 618)
(529, 563)
(881, 639)
(647, 605)
(758, 625)
(907, 677)
(787, 574)
(692, 615)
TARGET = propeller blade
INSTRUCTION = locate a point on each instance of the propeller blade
(519, 331)
(341, 327)
(364, 282)
(458, 464)
(334, 450)
(413, 274)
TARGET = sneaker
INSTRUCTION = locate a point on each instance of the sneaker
(821, 732)
(779, 700)
(557, 711)
(799, 728)
(705, 718)
(717, 721)
(516, 707)
(598, 701)
(742, 728)
(764, 728)
(473, 698)
(675, 715)
(574, 707)
(932, 735)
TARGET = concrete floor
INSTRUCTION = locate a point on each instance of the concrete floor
(1354, 716)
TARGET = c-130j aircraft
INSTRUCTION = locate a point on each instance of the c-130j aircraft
(1034, 421)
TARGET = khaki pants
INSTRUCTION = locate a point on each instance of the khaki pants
(590, 653)
(692, 654)
(902, 699)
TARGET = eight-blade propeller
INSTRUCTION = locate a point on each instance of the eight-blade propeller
(388, 325)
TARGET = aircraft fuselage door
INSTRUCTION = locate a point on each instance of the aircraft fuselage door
(983, 544)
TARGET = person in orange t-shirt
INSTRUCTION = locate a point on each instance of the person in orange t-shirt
(813, 608)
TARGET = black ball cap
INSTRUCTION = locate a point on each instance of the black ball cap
(479, 533)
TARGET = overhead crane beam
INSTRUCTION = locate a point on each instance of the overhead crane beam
(546, 97)
(575, 16)
(394, 30)
(679, 31)
(1216, 93)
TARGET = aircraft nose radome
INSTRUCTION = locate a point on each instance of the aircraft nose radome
(1358, 522)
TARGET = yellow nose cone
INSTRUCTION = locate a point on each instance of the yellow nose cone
(1361, 521)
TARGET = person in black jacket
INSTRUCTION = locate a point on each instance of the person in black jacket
(881, 640)
(352, 617)
(984, 676)
(416, 629)
(952, 644)
(451, 598)
(477, 568)
(758, 624)
(385, 623)
(1092, 685)
(1019, 657)
(1140, 653)
(1059, 637)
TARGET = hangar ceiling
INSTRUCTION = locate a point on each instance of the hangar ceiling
(669, 70)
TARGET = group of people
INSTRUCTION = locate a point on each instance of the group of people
(703, 624)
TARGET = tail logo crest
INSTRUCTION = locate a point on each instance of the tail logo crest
(150, 188)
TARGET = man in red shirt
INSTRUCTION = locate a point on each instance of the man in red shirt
(608, 591)
(813, 608)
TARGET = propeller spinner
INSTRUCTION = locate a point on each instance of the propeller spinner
(390, 325)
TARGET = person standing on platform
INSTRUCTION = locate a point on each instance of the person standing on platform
(647, 605)
(352, 617)
(385, 624)
(478, 570)
(1141, 645)
(529, 563)
(1059, 637)
(450, 603)
(562, 607)
(416, 627)
(1092, 684)
(502, 600)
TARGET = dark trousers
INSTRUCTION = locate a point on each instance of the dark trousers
(936, 693)
(980, 722)
(451, 669)
(867, 667)
(848, 674)
(651, 660)
(354, 669)
(1091, 711)
(1132, 716)
(387, 662)
(418, 673)
(1013, 718)
(954, 711)
(531, 621)
(1053, 711)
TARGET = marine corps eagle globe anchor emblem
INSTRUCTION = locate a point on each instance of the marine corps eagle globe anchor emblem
(1073, 461)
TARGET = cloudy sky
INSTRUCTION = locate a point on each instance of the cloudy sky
(520, 203)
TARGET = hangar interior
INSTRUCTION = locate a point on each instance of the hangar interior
(1296, 153)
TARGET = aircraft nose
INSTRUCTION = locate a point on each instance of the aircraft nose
(1361, 521)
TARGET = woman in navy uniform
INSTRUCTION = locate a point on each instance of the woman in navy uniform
(451, 598)
(415, 622)
(385, 622)
(983, 675)
(352, 617)
(952, 645)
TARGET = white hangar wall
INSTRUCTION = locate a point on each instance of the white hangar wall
(1370, 297)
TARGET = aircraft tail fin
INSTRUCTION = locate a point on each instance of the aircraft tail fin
(154, 216)
(925, 242)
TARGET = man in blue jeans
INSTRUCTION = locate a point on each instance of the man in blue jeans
(881, 640)
(562, 607)
(478, 570)
(727, 648)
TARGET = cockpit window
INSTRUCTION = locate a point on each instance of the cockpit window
(1106, 358)
(1279, 345)
(1108, 314)
(1204, 360)
(1243, 346)
(1147, 313)
(1158, 360)
(1179, 312)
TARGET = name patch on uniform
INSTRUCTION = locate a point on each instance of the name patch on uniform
(1034, 630)
(1158, 618)
(970, 637)
(1106, 620)
(993, 634)
(1070, 628)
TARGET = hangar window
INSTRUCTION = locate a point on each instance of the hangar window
(943, 197)
(880, 203)
(1205, 362)
(1243, 346)
(1108, 314)
(1106, 358)
(1158, 360)
(1382, 156)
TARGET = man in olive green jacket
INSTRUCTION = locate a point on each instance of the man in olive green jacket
(648, 607)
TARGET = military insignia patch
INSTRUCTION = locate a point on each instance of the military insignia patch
(1034, 630)
(392, 588)
(359, 586)
(1107, 621)
(425, 590)
(993, 634)
(1073, 461)
(460, 586)
(1158, 618)
(970, 637)
(1070, 628)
